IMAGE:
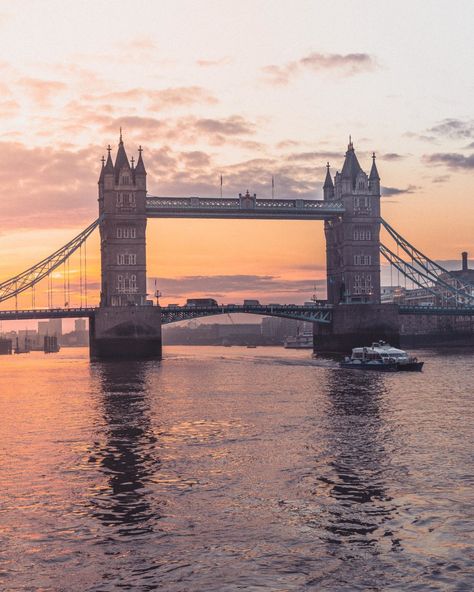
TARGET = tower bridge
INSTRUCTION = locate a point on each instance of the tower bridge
(125, 325)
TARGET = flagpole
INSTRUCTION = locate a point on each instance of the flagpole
(273, 187)
(221, 185)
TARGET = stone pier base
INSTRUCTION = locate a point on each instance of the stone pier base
(356, 325)
(125, 333)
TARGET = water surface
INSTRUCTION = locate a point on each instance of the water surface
(225, 469)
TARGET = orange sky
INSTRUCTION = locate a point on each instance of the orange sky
(247, 90)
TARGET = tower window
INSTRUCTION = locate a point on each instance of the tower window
(362, 233)
(126, 232)
(362, 203)
(361, 259)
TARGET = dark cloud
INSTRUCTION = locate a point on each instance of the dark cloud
(441, 179)
(47, 187)
(452, 160)
(344, 65)
(188, 130)
(391, 191)
(219, 285)
(392, 156)
(231, 126)
(454, 129)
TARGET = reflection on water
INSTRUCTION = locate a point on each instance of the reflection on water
(127, 455)
(355, 475)
(225, 470)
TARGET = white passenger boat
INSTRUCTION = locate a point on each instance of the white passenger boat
(302, 340)
(382, 357)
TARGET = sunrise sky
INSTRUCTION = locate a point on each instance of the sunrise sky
(245, 89)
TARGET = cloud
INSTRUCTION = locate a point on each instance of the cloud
(42, 91)
(8, 108)
(212, 63)
(441, 179)
(156, 100)
(188, 130)
(451, 160)
(218, 285)
(314, 156)
(454, 129)
(47, 187)
(231, 126)
(391, 191)
(287, 144)
(393, 156)
(341, 64)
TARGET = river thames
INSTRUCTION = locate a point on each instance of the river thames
(225, 469)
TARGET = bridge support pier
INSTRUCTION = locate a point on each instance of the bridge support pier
(355, 325)
(125, 333)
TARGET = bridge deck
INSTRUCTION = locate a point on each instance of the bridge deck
(319, 313)
(246, 207)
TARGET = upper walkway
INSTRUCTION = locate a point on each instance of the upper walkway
(245, 207)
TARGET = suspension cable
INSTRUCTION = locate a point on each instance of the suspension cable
(24, 280)
(85, 271)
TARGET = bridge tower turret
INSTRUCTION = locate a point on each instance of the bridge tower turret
(122, 207)
(352, 240)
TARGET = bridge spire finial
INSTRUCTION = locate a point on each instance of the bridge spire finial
(121, 135)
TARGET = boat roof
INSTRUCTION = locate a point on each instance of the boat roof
(380, 347)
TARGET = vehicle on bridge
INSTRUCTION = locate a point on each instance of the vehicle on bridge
(251, 303)
(201, 302)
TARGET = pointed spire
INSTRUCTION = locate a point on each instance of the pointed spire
(374, 174)
(101, 176)
(351, 166)
(109, 165)
(140, 168)
(328, 184)
(121, 159)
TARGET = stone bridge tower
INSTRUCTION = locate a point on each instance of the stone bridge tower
(352, 240)
(126, 325)
(122, 205)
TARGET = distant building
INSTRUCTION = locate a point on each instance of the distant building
(462, 279)
(80, 325)
(51, 327)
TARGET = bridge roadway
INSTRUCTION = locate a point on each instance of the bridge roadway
(318, 313)
(243, 207)
(315, 314)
